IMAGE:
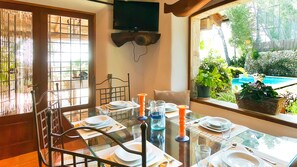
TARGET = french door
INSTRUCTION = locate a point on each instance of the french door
(65, 59)
(40, 47)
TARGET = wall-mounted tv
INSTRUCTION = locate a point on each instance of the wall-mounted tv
(136, 16)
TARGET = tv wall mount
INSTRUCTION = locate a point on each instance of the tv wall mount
(140, 38)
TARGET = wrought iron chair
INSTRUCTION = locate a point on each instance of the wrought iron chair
(50, 136)
(113, 89)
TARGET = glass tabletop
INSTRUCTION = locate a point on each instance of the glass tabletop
(280, 148)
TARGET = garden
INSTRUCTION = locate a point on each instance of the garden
(254, 41)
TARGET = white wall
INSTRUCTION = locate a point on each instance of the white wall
(164, 67)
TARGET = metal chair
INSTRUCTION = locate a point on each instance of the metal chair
(113, 89)
(50, 134)
(41, 125)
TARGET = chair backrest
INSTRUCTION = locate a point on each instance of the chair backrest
(41, 125)
(113, 89)
(176, 97)
(78, 159)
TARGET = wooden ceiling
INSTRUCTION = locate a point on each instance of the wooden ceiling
(184, 8)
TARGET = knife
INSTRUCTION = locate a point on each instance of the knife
(265, 159)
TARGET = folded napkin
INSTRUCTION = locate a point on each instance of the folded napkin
(108, 154)
(174, 114)
(112, 126)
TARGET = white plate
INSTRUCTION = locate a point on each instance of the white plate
(205, 125)
(155, 156)
(97, 120)
(130, 157)
(100, 126)
(118, 104)
(217, 122)
(170, 107)
(235, 158)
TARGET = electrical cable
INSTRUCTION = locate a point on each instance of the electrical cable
(135, 56)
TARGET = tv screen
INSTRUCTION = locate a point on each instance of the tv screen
(136, 16)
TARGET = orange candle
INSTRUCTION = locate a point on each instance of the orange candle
(182, 121)
(141, 99)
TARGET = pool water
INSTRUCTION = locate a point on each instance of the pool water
(268, 80)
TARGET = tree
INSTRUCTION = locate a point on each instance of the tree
(241, 24)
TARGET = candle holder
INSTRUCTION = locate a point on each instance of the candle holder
(182, 137)
(141, 98)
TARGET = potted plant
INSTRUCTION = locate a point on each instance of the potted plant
(205, 80)
(259, 97)
(213, 76)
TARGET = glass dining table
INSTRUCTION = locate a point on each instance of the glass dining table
(276, 149)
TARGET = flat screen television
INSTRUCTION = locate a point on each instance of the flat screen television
(136, 16)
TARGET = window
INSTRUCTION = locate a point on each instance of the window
(16, 61)
(68, 58)
(266, 42)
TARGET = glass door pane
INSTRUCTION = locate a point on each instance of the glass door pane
(16, 61)
(68, 59)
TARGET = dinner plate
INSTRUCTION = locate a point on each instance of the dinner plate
(203, 123)
(217, 122)
(97, 120)
(130, 157)
(170, 107)
(155, 156)
(100, 126)
(118, 104)
(235, 158)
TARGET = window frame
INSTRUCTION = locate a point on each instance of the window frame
(281, 119)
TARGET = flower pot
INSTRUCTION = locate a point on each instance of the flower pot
(203, 91)
(270, 106)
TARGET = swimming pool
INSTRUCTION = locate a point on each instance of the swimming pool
(268, 80)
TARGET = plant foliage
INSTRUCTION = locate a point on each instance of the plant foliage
(226, 96)
(214, 72)
(236, 71)
(257, 91)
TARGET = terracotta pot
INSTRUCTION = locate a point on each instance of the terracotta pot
(270, 106)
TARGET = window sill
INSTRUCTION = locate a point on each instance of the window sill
(283, 119)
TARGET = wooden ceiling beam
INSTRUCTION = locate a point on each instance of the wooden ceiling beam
(184, 8)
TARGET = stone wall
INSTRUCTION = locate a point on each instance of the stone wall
(275, 63)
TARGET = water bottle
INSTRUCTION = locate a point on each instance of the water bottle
(157, 115)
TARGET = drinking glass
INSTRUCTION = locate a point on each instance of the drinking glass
(202, 152)
(136, 132)
(134, 101)
(103, 110)
(226, 131)
(134, 111)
